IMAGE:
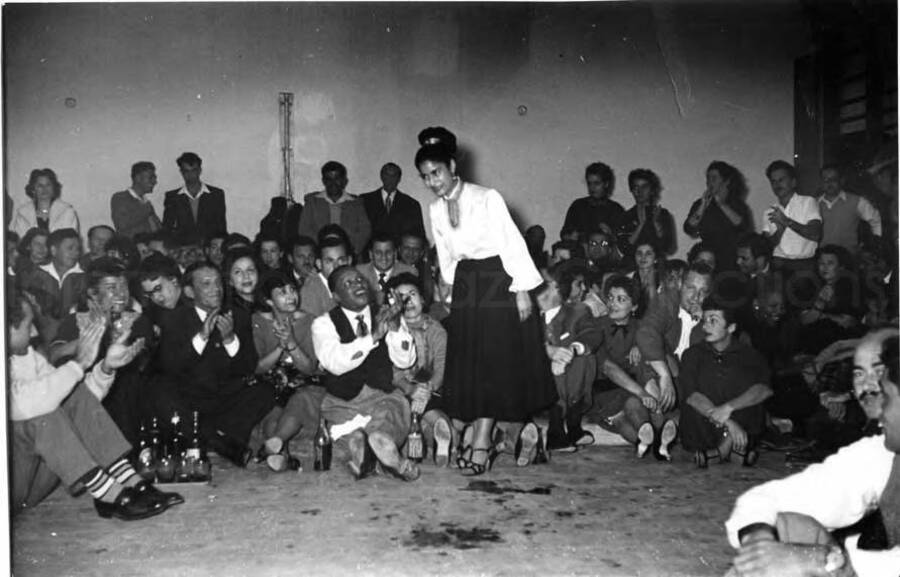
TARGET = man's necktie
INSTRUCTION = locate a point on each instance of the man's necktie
(388, 201)
(382, 282)
(361, 328)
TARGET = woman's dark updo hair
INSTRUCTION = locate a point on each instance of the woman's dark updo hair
(438, 135)
(275, 280)
(434, 153)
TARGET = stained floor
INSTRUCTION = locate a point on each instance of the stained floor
(597, 512)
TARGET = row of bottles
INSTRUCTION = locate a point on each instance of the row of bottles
(173, 458)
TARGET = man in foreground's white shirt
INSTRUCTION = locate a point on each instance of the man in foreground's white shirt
(359, 372)
(834, 494)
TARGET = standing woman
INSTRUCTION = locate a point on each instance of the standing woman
(496, 366)
(646, 221)
(45, 211)
(721, 216)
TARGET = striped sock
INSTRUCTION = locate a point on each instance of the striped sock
(124, 473)
(100, 485)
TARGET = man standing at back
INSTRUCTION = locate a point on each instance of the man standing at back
(196, 209)
(335, 205)
(793, 223)
(843, 212)
(132, 212)
(391, 211)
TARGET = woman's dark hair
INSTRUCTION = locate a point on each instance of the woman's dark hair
(434, 153)
(699, 247)
(127, 250)
(649, 176)
(407, 278)
(438, 135)
(715, 302)
(845, 261)
(231, 257)
(736, 183)
(623, 282)
(36, 174)
(604, 172)
(275, 280)
(25, 243)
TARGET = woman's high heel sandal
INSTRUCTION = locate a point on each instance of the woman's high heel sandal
(464, 450)
(473, 469)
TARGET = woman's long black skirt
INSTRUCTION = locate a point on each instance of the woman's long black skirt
(497, 366)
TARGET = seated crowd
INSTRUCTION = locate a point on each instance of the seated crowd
(780, 339)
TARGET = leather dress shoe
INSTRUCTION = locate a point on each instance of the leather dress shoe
(130, 506)
(167, 498)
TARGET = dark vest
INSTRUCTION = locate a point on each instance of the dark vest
(376, 371)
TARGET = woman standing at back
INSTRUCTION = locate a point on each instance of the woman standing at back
(496, 365)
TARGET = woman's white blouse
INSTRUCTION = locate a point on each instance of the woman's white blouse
(485, 230)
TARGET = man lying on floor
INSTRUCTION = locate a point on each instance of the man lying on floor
(782, 527)
(61, 432)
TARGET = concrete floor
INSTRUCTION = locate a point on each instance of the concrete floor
(597, 512)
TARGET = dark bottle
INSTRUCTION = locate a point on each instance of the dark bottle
(145, 459)
(415, 446)
(179, 450)
(322, 448)
(195, 456)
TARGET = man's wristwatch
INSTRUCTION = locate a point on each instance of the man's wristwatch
(835, 559)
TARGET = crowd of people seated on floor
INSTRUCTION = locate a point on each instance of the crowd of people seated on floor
(499, 345)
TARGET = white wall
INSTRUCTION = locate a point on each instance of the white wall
(599, 82)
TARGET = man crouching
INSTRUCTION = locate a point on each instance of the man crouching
(359, 372)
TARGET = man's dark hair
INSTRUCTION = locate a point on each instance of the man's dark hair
(129, 256)
(187, 278)
(140, 167)
(334, 230)
(890, 356)
(331, 242)
(15, 308)
(382, 236)
(164, 237)
(781, 165)
(714, 302)
(675, 265)
(61, 234)
(699, 247)
(336, 274)
(757, 243)
(832, 166)
(700, 268)
(604, 172)
(266, 237)
(302, 240)
(142, 238)
(158, 266)
(188, 158)
(391, 166)
(97, 227)
(334, 166)
(564, 274)
(102, 268)
(219, 234)
(576, 250)
(235, 240)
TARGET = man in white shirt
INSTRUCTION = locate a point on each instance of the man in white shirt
(793, 224)
(359, 373)
(781, 527)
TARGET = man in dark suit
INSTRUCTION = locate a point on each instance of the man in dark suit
(391, 211)
(196, 209)
(572, 336)
(205, 356)
(671, 325)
